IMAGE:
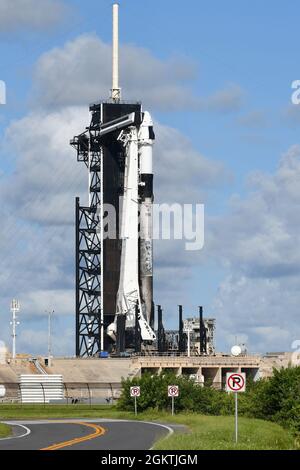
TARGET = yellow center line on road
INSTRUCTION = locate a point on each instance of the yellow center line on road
(98, 431)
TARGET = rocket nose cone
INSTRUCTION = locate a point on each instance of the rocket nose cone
(147, 121)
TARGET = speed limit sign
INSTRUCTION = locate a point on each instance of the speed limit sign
(173, 391)
(135, 391)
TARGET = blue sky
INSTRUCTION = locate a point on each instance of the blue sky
(235, 64)
(253, 45)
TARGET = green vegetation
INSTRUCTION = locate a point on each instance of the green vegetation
(275, 399)
(202, 432)
(18, 411)
(5, 430)
(193, 398)
(217, 433)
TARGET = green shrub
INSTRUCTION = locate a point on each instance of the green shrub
(275, 399)
(192, 397)
(278, 398)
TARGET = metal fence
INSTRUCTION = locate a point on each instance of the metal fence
(73, 393)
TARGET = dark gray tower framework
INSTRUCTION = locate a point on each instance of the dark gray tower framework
(114, 284)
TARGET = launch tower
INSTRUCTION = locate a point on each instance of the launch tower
(114, 284)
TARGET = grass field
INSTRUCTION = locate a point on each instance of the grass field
(4, 430)
(217, 433)
(204, 432)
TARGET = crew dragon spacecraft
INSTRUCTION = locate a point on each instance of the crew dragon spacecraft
(114, 276)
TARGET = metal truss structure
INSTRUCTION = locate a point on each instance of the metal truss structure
(89, 250)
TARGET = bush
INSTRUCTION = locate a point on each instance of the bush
(192, 397)
(275, 399)
(278, 398)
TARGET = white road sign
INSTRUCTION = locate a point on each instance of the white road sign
(135, 391)
(235, 382)
(173, 391)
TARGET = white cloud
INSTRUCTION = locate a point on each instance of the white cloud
(16, 15)
(39, 301)
(261, 312)
(80, 73)
(253, 120)
(262, 231)
(47, 176)
(36, 341)
(291, 115)
(259, 246)
(182, 174)
(228, 100)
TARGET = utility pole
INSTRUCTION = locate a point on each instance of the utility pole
(15, 308)
(50, 314)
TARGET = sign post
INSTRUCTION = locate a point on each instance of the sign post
(173, 391)
(134, 393)
(236, 418)
(236, 383)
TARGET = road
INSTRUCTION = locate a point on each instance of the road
(83, 435)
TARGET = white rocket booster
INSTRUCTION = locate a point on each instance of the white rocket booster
(135, 286)
(146, 141)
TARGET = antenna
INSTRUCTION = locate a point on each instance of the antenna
(236, 350)
(116, 90)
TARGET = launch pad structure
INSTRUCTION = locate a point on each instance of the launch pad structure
(114, 274)
(104, 265)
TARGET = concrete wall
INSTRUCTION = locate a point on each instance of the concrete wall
(72, 370)
(211, 369)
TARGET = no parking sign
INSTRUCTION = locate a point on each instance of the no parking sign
(135, 391)
(173, 391)
(235, 382)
